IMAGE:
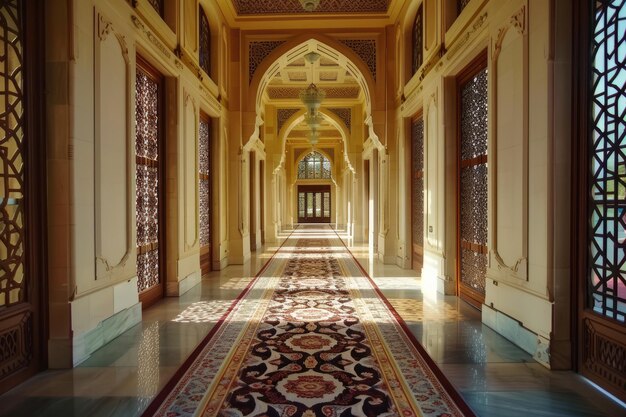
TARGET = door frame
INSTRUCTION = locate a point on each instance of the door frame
(314, 188)
(585, 324)
(157, 292)
(479, 63)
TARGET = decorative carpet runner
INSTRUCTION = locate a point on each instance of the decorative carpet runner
(311, 336)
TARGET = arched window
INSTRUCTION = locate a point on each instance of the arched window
(205, 43)
(418, 42)
(314, 166)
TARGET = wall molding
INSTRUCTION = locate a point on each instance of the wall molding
(105, 266)
(518, 269)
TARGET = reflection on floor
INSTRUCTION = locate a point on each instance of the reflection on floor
(495, 377)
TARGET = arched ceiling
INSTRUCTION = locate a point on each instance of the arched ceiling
(341, 88)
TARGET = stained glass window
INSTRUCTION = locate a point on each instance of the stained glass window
(205, 43)
(147, 144)
(473, 183)
(418, 40)
(607, 158)
(314, 166)
(204, 155)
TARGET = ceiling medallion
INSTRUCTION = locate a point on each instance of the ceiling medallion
(309, 5)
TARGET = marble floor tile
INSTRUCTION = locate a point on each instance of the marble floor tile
(495, 377)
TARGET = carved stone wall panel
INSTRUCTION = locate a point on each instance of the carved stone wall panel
(510, 173)
(434, 183)
(261, 7)
(112, 150)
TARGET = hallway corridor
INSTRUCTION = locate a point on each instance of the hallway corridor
(494, 377)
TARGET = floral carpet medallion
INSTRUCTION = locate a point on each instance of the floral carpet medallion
(317, 342)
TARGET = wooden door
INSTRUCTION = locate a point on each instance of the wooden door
(599, 201)
(204, 183)
(417, 192)
(472, 181)
(314, 203)
(150, 180)
(22, 194)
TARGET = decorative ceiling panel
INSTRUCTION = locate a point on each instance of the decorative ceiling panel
(261, 7)
(257, 52)
(344, 113)
(297, 76)
(297, 63)
(328, 76)
(277, 93)
(282, 116)
(365, 49)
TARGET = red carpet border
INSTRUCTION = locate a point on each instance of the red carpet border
(312, 336)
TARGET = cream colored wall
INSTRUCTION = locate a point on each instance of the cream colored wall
(520, 37)
(92, 232)
(95, 297)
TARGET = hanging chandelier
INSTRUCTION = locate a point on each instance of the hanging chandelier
(309, 5)
(312, 98)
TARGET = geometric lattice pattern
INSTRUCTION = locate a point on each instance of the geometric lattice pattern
(257, 7)
(257, 52)
(281, 93)
(473, 186)
(12, 278)
(607, 274)
(16, 346)
(204, 151)
(282, 115)
(417, 194)
(204, 36)
(314, 166)
(344, 113)
(365, 49)
(147, 138)
(603, 355)
(418, 40)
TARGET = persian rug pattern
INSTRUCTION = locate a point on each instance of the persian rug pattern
(313, 337)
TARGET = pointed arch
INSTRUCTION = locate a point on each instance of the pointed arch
(298, 118)
(295, 48)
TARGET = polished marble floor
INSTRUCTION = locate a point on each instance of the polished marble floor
(494, 376)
